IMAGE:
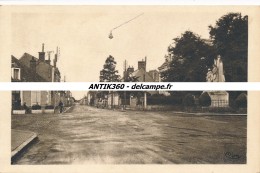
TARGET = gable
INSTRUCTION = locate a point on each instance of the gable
(25, 59)
(142, 76)
(27, 75)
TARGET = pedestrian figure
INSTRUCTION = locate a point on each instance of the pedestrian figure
(18, 104)
(61, 106)
(25, 107)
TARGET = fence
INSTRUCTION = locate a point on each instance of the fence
(219, 103)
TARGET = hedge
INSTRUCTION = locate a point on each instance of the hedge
(164, 100)
(241, 101)
(188, 100)
(204, 99)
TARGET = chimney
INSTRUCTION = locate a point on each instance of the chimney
(55, 61)
(142, 64)
(48, 61)
(56, 57)
(42, 54)
(49, 58)
(130, 70)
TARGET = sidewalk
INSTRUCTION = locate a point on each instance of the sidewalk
(20, 140)
(209, 113)
(182, 112)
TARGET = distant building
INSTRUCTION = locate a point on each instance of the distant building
(165, 66)
(155, 75)
(143, 76)
(141, 73)
(66, 98)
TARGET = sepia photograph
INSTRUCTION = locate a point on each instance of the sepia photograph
(166, 44)
(137, 44)
(129, 127)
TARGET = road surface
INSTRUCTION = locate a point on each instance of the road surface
(87, 135)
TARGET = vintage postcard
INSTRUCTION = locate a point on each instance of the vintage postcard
(126, 131)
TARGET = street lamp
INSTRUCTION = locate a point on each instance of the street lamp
(110, 36)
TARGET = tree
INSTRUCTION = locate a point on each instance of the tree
(192, 56)
(230, 39)
(188, 102)
(109, 72)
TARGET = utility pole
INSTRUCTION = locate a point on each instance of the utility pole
(112, 94)
(145, 96)
(125, 75)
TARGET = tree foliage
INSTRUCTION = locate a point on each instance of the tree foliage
(191, 58)
(192, 55)
(205, 99)
(109, 72)
(230, 40)
(241, 101)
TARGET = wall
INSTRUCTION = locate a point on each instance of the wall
(44, 98)
(45, 71)
(26, 97)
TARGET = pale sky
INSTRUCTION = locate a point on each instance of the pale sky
(82, 34)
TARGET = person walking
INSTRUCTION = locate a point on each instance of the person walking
(61, 106)
(26, 108)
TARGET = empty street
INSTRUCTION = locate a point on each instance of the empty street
(88, 135)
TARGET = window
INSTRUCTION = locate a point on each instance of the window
(35, 97)
(16, 73)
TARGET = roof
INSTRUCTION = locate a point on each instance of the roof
(153, 71)
(26, 72)
(26, 58)
(142, 75)
(163, 66)
(42, 66)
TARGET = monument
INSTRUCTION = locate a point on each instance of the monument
(218, 98)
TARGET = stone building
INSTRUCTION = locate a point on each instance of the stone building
(141, 73)
(42, 66)
(142, 76)
(165, 66)
(31, 69)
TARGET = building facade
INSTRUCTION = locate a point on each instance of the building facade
(31, 69)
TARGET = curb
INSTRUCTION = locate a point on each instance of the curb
(180, 112)
(24, 145)
(67, 109)
(210, 114)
